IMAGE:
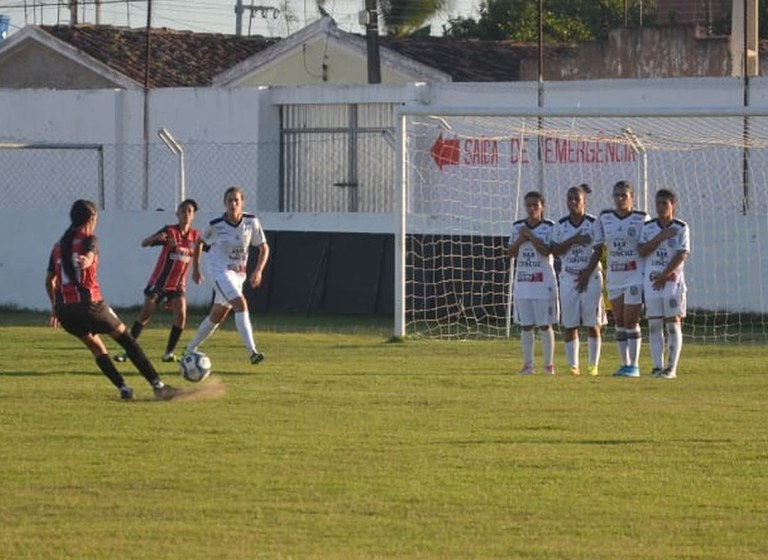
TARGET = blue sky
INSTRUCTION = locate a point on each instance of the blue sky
(212, 16)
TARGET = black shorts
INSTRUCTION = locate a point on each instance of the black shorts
(158, 294)
(80, 319)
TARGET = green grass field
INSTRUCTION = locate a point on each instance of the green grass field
(345, 445)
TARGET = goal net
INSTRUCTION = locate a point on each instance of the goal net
(463, 182)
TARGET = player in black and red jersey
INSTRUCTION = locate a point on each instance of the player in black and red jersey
(78, 306)
(168, 280)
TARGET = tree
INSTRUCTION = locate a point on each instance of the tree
(408, 17)
(401, 17)
(564, 21)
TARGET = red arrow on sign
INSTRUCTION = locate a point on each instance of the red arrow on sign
(446, 152)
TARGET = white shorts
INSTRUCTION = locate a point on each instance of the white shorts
(581, 309)
(633, 295)
(667, 305)
(227, 285)
(536, 312)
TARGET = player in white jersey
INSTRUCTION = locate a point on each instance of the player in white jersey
(228, 240)
(577, 241)
(620, 229)
(665, 243)
(535, 285)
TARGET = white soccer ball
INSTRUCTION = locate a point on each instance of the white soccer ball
(195, 366)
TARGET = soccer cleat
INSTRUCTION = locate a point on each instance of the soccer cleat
(628, 371)
(621, 372)
(592, 370)
(668, 373)
(575, 371)
(657, 372)
(549, 370)
(166, 393)
(257, 357)
(126, 393)
(121, 357)
(170, 357)
(527, 369)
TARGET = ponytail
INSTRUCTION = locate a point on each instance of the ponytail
(79, 214)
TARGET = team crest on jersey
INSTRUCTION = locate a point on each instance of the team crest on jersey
(672, 242)
(632, 231)
(634, 290)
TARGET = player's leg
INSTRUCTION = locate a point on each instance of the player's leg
(94, 343)
(233, 290)
(178, 304)
(147, 310)
(224, 289)
(593, 317)
(570, 305)
(633, 308)
(547, 313)
(654, 311)
(208, 325)
(526, 318)
(674, 312)
(617, 306)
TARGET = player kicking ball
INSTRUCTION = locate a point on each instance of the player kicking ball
(665, 243)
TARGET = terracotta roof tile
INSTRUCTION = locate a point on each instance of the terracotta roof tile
(471, 61)
(179, 58)
(189, 59)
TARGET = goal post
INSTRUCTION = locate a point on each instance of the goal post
(464, 172)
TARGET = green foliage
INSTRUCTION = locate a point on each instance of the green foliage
(341, 445)
(564, 21)
(408, 17)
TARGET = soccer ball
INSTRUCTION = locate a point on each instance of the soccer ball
(195, 366)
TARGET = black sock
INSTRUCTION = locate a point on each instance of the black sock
(108, 368)
(138, 358)
(136, 329)
(173, 338)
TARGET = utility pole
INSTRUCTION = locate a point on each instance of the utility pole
(98, 12)
(370, 18)
(147, 60)
(73, 12)
(239, 18)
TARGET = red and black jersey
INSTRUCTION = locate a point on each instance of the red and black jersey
(85, 287)
(172, 267)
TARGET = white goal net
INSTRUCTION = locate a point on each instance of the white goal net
(464, 176)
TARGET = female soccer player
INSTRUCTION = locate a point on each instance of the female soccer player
(73, 288)
(228, 239)
(168, 280)
(665, 243)
(535, 286)
(620, 229)
(577, 241)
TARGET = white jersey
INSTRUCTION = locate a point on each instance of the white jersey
(577, 257)
(622, 236)
(229, 243)
(534, 273)
(657, 261)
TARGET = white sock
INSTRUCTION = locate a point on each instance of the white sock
(205, 330)
(572, 352)
(526, 341)
(656, 341)
(675, 340)
(634, 339)
(244, 327)
(548, 345)
(595, 345)
(621, 341)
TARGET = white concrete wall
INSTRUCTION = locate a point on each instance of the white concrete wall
(125, 266)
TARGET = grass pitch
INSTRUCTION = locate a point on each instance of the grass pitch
(343, 445)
